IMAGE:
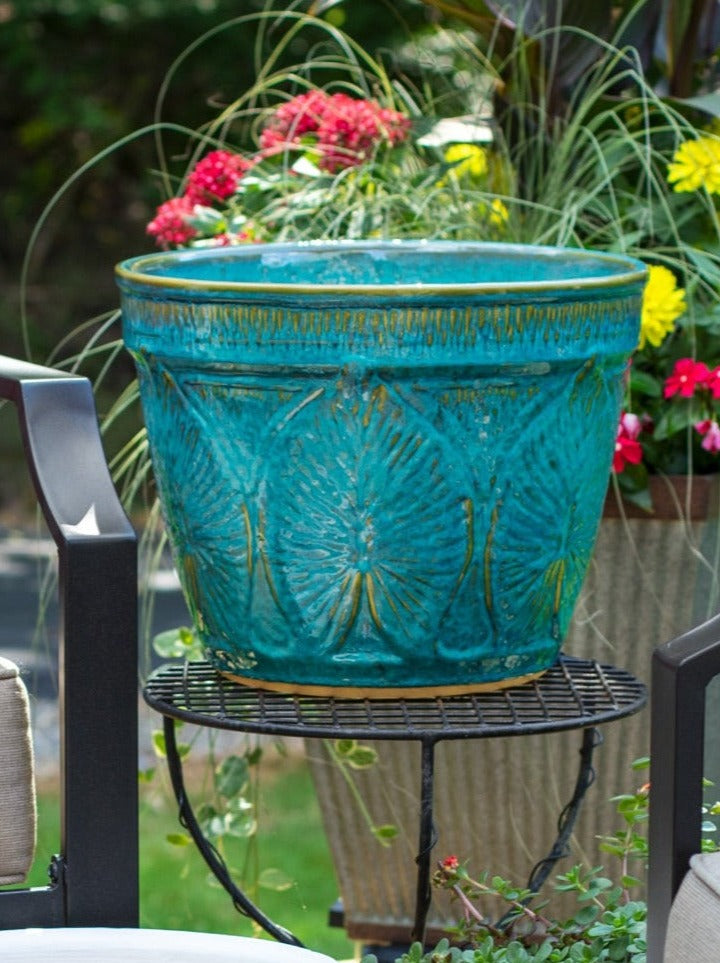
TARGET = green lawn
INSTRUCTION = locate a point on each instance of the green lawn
(175, 889)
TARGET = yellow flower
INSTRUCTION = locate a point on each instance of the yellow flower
(469, 159)
(499, 215)
(695, 164)
(663, 303)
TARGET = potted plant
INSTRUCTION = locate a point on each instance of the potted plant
(587, 170)
(610, 140)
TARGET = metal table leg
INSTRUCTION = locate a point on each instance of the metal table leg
(427, 840)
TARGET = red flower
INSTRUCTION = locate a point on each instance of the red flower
(687, 375)
(215, 177)
(450, 863)
(351, 129)
(627, 447)
(346, 128)
(169, 226)
(712, 382)
(299, 116)
(229, 240)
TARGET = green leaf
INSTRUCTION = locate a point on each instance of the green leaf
(587, 915)
(178, 839)
(708, 103)
(640, 497)
(275, 879)
(206, 220)
(707, 266)
(642, 763)
(516, 953)
(343, 747)
(319, 7)
(385, 834)
(306, 167)
(210, 821)
(146, 775)
(158, 742)
(254, 756)
(232, 776)
(239, 804)
(681, 414)
(179, 643)
(627, 882)
(240, 825)
(362, 757)
(643, 383)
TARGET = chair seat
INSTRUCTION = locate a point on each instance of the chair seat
(105, 945)
(693, 931)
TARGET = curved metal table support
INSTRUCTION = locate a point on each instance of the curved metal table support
(573, 694)
(242, 903)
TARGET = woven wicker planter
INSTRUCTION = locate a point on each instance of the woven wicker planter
(498, 801)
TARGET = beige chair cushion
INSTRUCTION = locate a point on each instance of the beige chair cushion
(17, 781)
(101, 945)
(694, 925)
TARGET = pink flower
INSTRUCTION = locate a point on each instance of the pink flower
(169, 226)
(630, 424)
(215, 177)
(710, 430)
(450, 863)
(687, 375)
(712, 382)
(627, 447)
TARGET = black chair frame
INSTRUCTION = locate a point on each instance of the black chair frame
(681, 671)
(94, 879)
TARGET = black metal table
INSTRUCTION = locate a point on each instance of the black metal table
(573, 694)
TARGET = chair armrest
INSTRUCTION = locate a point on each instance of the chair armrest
(64, 451)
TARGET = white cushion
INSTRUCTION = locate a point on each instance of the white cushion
(17, 778)
(99, 945)
(693, 933)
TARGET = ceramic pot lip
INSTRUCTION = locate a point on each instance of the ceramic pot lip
(147, 269)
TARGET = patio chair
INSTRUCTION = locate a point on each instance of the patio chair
(93, 888)
(683, 882)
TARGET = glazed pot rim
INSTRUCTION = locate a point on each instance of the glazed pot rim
(139, 270)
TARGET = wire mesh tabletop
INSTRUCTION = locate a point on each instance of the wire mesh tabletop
(573, 693)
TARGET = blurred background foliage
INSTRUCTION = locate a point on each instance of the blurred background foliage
(78, 75)
(75, 77)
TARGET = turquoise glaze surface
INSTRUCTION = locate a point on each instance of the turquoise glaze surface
(382, 464)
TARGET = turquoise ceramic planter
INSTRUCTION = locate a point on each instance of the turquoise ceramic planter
(382, 465)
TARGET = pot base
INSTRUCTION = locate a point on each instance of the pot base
(398, 692)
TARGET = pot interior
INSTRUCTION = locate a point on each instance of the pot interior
(396, 265)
